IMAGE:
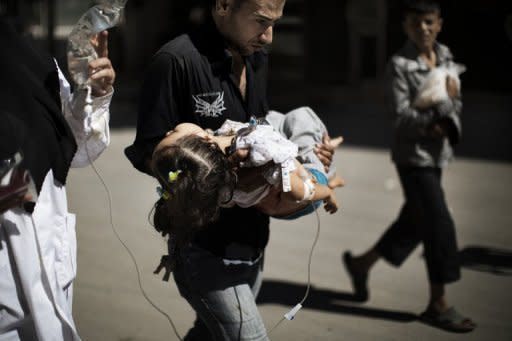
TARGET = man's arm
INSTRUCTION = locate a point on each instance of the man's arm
(159, 110)
(91, 131)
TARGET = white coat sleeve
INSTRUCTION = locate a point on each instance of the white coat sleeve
(92, 133)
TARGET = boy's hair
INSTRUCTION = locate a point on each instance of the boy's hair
(202, 180)
(421, 6)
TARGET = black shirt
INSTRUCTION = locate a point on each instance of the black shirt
(189, 80)
(30, 104)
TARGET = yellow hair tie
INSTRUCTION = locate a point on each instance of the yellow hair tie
(173, 175)
(162, 193)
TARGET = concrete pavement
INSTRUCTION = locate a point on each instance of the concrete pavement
(109, 306)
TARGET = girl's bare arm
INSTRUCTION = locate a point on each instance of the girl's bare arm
(301, 190)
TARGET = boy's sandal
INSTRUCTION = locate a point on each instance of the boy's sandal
(359, 279)
(450, 320)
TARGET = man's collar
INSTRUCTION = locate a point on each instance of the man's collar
(211, 43)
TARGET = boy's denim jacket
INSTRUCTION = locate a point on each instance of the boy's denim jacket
(413, 143)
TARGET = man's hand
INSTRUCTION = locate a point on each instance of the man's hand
(326, 149)
(13, 201)
(15, 193)
(101, 72)
(238, 157)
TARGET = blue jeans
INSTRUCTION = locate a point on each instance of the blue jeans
(223, 296)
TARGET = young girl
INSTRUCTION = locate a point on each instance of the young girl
(197, 173)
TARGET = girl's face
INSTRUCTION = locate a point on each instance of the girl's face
(181, 130)
(185, 129)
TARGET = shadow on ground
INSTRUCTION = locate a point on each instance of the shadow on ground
(486, 259)
(289, 294)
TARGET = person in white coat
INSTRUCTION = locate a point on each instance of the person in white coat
(46, 124)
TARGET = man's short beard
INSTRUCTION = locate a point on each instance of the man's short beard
(237, 47)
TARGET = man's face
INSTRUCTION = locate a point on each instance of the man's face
(248, 27)
(423, 29)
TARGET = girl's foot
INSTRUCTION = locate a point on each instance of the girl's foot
(336, 181)
(335, 142)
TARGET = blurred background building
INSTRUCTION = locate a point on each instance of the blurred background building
(328, 54)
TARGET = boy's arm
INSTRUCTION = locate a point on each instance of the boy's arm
(414, 123)
(448, 113)
(409, 121)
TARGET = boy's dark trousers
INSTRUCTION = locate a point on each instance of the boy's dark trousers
(424, 218)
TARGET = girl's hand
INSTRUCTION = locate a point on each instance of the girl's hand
(331, 204)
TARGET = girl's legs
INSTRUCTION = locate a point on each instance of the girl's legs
(304, 128)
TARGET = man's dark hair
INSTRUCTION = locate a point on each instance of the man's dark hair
(237, 3)
(421, 6)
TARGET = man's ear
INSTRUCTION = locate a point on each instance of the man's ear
(222, 7)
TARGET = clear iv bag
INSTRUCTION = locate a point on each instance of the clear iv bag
(80, 52)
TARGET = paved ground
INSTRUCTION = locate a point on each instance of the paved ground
(109, 306)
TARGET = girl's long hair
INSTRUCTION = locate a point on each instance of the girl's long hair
(204, 181)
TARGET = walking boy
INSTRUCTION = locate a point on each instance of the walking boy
(422, 146)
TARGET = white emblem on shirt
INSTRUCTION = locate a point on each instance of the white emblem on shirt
(210, 104)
